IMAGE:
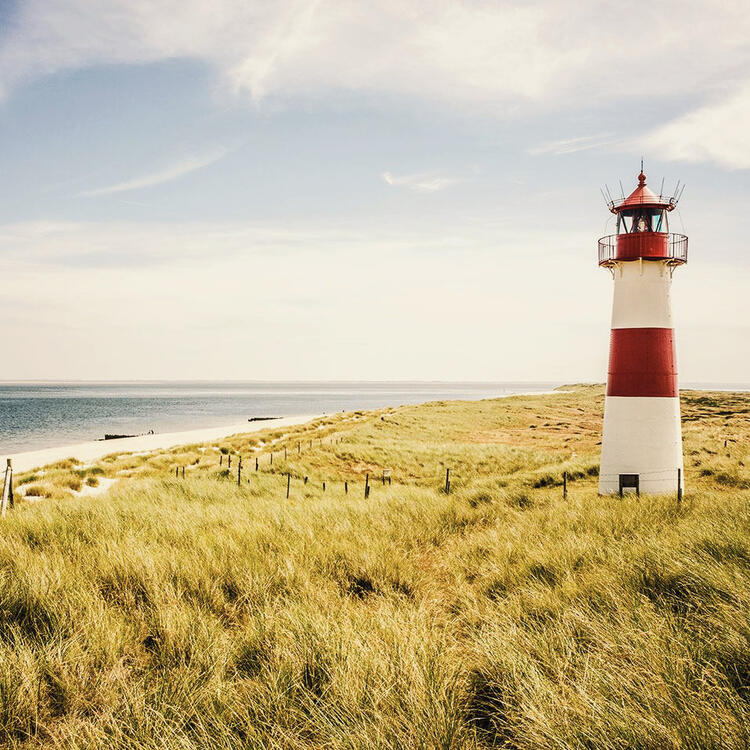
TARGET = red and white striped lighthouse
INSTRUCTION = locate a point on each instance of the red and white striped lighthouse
(642, 437)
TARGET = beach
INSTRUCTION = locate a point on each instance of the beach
(95, 449)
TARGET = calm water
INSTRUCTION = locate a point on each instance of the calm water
(39, 415)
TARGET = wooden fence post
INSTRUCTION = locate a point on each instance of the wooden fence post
(239, 471)
(367, 486)
(221, 459)
(565, 485)
(346, 487)
(383, 477)
(447, 481)
(183, 472)
(176, 472)
(229, 461)
(256, 463)
(324, 486)
(271, 458)
(288, 484)
(7, 488)
(679, 485)
(306, 478)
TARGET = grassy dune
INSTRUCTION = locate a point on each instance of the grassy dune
(171, 613)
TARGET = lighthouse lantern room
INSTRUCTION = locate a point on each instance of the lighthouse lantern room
(642, 436)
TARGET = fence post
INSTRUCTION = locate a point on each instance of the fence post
(7, 487)
(176, 472)
(288, 484)
(367, 486)
(306, 478)
(221, 459)
(383, 477)
(565, 485)
(679, 485)
(324, 486)
(183, 472)
(447, 481)
(239, 471)
(256, 463)
(229, 461)
(271, 458)
(346, 487)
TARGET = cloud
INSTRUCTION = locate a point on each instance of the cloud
(172, 172)
(716, 132)
(573, 145)
(420, 183)
(495, 56)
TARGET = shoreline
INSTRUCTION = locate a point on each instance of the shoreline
(95, 449)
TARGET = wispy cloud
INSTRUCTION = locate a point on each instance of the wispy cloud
(544, 53)
(172, 172)
(573, 145)
(420, 183)
(716, 132)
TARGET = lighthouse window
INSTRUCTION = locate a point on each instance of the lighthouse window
(659, 221)
(641, 220)
(624, 222)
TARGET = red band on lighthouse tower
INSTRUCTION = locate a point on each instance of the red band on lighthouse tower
(642, 363)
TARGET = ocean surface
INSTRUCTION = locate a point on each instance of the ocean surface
(43, 415)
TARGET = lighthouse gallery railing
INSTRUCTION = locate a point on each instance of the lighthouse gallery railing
(675, 249)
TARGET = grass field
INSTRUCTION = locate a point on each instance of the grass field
(186, 613)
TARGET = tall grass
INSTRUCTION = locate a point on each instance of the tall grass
(194, 613)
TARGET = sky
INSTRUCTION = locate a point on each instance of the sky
(325, 189)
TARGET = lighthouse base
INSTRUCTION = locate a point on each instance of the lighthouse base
(642, 436)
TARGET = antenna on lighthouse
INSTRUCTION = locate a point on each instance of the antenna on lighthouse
(661, 189)
(622, 189)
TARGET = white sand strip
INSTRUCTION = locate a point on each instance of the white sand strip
(97, 448)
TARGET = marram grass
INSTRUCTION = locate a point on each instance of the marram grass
(171, 613)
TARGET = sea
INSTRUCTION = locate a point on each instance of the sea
(44, 415)
(36, 415)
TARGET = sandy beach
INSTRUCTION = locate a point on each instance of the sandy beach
(95, 449)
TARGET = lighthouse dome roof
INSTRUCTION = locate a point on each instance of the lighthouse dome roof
(642, 196)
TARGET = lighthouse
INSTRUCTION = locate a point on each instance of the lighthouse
(642, 436)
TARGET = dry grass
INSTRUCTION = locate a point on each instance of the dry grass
(193, 613)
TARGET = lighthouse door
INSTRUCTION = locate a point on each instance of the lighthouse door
(630, 481)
